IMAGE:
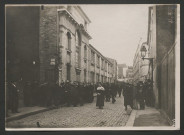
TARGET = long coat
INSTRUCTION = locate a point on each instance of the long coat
(100, 96)
(128, 95)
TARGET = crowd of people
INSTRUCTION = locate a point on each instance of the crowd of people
(106, 91)
(49, 94)
(136, 96)
(76, 93)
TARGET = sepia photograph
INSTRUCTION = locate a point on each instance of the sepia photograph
(92, 67)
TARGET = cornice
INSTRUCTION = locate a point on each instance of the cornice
(81, 27)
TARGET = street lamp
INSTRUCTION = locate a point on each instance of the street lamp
(143, 52)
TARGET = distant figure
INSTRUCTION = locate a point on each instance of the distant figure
(100, 96)
(113, 93)
(119, 90)
(38, 124)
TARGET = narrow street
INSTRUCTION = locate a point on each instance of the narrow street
(113, 115)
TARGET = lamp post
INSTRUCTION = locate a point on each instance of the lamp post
(143, 54)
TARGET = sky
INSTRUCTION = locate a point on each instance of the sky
(117, 29)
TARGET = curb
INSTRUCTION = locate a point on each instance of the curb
(27, 114)
(131, 119)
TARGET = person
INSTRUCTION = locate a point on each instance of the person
(14, 77)
(139, 96)
(67, 89)
(13, 97)
(128, 96)
(62, 92)
(100, 96)
(149, 98)
(134, 96)
(107, 93)
(91, 98)
(81, 90)
(119, 90)
(113, 92)
(74, 94)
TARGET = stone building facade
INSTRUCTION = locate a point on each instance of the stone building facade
(140, 67)
(65, 52)
(46, 43)
(162, 42)
(64, 42)
(114, 69)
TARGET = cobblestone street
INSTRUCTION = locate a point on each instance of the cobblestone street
(113, 115)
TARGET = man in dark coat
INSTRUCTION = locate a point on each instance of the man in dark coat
(119, 90)
(113, 92)
(68, 93)
(74, 94)
(140, 96)
(128, 96)
(81, 88)
(107, 93)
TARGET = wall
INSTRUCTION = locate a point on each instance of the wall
(22, 43)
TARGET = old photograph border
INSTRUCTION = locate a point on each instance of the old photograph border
(177, 75)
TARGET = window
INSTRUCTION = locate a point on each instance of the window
(84, 75)
(68, 41)
(98, 61)
(68, 57)
(68, 72)
(85, 52)
(97, 78)
(92, 57)
(102, 64)
(78, 47)
(92, 77)
(85, 25)
(77, 59)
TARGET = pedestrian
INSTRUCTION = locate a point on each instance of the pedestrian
(74, 94)
(68, 93)
(140, 96)
(13, 97)
(135, 106)
(100, 96)
(128, 96)
(113, 92)
(119, 90)
(62, 92)
(149, 98)
(107, 93)
(81, 89)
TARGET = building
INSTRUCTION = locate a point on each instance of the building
(51, 44)
(121, 68)
(140, 67)
(162, 43)
(114, 69)
(100, 69)
(64, 43)
(129, 74)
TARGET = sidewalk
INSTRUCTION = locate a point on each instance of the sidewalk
(147, 117)
(26, 111)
